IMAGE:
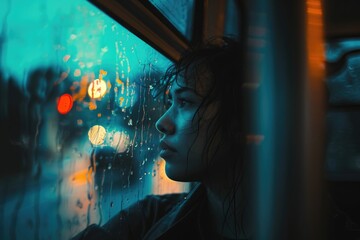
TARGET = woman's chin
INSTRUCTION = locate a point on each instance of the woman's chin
(176, 174)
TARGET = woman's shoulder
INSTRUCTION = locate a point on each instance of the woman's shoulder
(155, 206)
(134, 221)
(163, 199)
(165, 202)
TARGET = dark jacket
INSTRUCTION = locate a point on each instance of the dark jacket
(169, 216)
(181, 216)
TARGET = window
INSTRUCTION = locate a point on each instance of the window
(77, 119)
(179, 13)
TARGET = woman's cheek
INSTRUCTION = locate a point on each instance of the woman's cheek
(187, 122)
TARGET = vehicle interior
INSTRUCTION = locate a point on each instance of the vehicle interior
(77, 110)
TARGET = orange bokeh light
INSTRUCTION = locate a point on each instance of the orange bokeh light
(65, 103)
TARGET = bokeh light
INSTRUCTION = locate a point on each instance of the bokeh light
(97, 89)
(65, 103)
(97, 134)
(119, 140)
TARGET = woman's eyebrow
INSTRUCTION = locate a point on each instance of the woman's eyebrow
(184, 89)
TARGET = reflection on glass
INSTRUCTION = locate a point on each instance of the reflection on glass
(77, 119)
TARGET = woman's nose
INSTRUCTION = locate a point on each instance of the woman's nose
(165, 125)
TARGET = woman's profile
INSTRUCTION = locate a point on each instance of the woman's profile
(202, 142)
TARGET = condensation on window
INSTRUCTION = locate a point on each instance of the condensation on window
(78, 141)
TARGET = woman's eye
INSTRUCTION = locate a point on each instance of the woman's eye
(178, 102)
(182, 102)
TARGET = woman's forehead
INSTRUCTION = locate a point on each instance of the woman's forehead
(180, 83)
(200, 83)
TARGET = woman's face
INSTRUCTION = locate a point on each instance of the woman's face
(184, 138)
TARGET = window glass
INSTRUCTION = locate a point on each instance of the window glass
(179, 13)
(78, 140)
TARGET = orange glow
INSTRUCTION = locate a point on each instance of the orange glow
(65, 103)
(81, 177)
(92, 106)
(81, 94)
(314, 127)
(315, 41)
(121, 100)
(118, 80)
(103, 72)
(162, 184)
(108, 86)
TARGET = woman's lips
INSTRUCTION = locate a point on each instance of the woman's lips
(166, 151)
(165, 146)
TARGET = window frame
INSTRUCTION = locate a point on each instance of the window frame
(145, 21)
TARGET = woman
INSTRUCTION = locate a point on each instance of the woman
(203, 142)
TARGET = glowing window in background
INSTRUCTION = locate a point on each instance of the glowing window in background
(93, 133)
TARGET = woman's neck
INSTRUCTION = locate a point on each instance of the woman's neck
(224, 209)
